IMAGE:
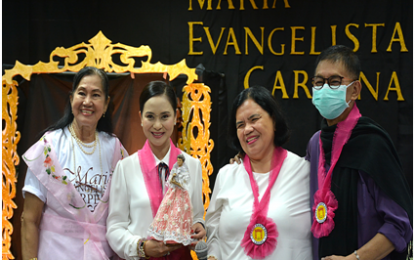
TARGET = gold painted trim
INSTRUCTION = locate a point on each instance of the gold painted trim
(98, 53)
(10, 137)
(195, 138)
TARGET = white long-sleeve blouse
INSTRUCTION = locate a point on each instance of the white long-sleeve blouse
(130, 212)
(231, 206)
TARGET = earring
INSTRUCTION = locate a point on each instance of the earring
(141, 124)
(103, 115)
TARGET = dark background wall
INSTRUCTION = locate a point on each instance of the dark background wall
(33, 29)
(297, 29)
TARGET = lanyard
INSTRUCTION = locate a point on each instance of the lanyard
(260, 238)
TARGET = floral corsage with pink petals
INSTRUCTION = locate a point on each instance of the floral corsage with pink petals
(260, 238)
(325, 204)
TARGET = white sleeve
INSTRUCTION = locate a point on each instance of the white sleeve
(184, 175)
(34, 186)
(197, 196)
(213, 215)
(121, 240)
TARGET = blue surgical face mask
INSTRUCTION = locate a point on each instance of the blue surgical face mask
(331, 103)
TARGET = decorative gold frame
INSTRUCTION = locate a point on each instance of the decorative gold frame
(196, 114)
(98, 53)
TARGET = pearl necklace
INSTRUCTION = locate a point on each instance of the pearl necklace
(80, 143)
(73, 151)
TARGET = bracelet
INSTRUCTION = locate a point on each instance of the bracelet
(140, 249)
(34, 258)
(357, 256)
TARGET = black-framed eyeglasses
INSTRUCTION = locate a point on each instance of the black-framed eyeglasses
(333, 81)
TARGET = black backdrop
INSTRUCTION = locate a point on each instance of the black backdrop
(32, 29)
(380, 31)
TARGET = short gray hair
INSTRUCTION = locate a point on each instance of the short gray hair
(181, 156)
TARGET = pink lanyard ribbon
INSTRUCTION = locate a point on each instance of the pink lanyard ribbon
(150, 173)
(325, 202)
(260, 238)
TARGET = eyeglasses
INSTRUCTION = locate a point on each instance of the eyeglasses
(333, 81)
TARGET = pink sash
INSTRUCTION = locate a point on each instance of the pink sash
(154, 190)
(252, 247)
(149, 168)
(65, 200)
(325, 202)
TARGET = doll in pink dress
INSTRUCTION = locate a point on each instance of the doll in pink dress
(173, 221)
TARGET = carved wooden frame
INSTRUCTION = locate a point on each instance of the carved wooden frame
(98, 53)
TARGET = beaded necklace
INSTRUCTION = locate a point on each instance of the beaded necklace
(80, 143)
(71, 130)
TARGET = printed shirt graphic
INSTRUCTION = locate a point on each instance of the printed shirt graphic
(88, 173)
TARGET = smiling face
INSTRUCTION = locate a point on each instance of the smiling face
(255, 130)
(158, 120)
(88, 102)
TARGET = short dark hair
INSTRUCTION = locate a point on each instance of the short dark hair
(181, 156)
(158, 88)
(263, 98)
(104, 123)
(343, 54)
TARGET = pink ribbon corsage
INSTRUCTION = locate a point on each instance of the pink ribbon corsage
(325, 204)
(260, 238)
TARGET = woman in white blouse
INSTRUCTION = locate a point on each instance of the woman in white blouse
(69, 170)
(260, 208)
(138, 183)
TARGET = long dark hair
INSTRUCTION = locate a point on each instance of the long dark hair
(266, 101)
(104, 123)
(158, 88)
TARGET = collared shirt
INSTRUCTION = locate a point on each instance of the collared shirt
(163, 175)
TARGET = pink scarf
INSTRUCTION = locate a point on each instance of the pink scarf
(260, 223)
(151, 177)
(325, 202)
(43, 161)
(154, 190)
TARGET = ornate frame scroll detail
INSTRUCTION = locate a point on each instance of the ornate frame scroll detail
(196, 107)
(98, 53)
(10, 137)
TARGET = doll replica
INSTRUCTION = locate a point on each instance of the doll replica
(173, 221)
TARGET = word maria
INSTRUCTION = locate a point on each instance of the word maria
(231, 6)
